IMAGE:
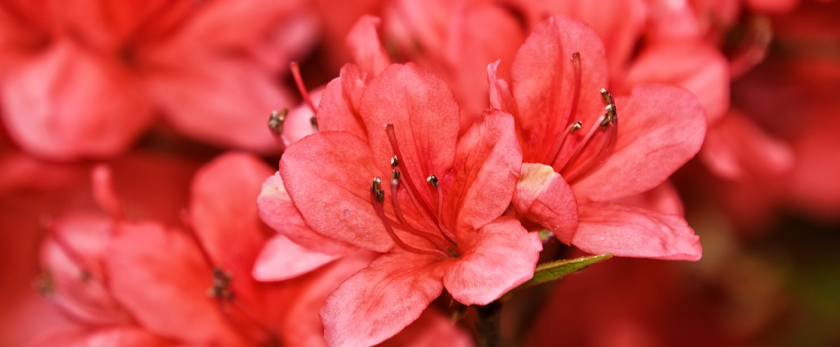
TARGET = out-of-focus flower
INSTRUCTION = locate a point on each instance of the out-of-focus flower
(433, 208)
(794, 94)
(556, 91)
(147, 284)
(85, 79)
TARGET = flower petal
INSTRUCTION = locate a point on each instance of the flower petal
(276, 209)
(499, 257)
(379, 301)
(629, 231)
(339, 106)
(364, 44)
(328, 176)
(62, 105)
(486, 170)
(117, 336)
(544, 83)
(736, 148)
(426, 121)
(544, 197)
(282, 259)
(221, 101)
(429, 331)
(160, 277)
(700, 68)
(662, 124)
(223, 215)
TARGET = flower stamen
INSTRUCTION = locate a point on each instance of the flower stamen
(377, 197)
(301, 87)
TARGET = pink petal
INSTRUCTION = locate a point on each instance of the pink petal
(118, 336)
(664, 198)
(499, 257)
(364, 45)
(430, 330)
(628, 231)
(161, 277)
(62, 105)
(222, 101)
(223, 209)
(72, 257)
(660, 128)
(544, 197)
(477, 35)
(425, 116)
(339, 106)
(379, 301)
(223, 215)
(328, 176)
(276, 209)
(619, 23)
(544, 82)
(736, 148)
(103, 191)
(305, 295)
(486, 170)
(298, 123)
(282, 259)
(500, 96)
(700, 68)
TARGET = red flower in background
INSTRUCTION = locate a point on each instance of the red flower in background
(85, 79)
(557, 98)
(141, 283)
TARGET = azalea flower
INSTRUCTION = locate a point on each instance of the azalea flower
(398, 180)
(579, 162)
(86, 81)
(146, 284)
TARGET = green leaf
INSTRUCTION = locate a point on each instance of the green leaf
(558, 269)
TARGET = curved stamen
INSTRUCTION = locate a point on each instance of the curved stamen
(572, 128)
(609, 123)
(301, 87)
(433, 181)
(377, 197)
(400, 162)
(432, 238)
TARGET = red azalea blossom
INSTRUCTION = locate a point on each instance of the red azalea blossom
(133, 283)
(400, 181)
(85, 79)
(558, 99)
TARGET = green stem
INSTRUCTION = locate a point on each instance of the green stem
(488, 324)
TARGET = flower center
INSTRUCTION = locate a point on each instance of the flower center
(441, 240)
(598, 143)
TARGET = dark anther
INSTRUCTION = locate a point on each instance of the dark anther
(275, 121)
(377, 184)
(433, 181)
(576, 126)
(314, 122)
(221, 285)
(395, 175)
(395, 162)
(380, 195)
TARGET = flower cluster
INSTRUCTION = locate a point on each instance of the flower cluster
(440, 160)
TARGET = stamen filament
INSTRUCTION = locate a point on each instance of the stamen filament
(400, 162)
(432, 238)
(301, 87)
(377, 204)
(583, 144)
(572, 128)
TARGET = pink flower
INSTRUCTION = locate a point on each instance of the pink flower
(398, 180)
(558, 100)
(142, 282)
(86, 81)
